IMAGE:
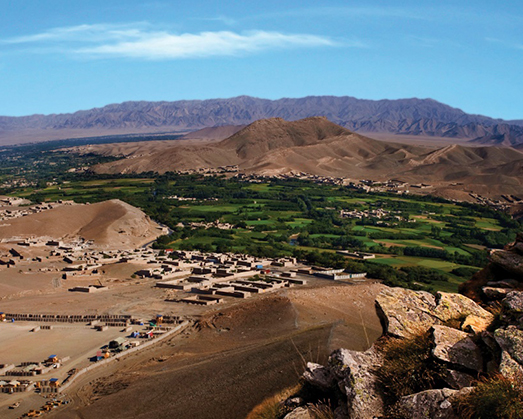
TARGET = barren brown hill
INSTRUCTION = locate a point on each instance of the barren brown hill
(113, 224)
(318, 146)
(213, 133)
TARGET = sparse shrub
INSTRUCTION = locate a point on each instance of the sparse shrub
(321, 411)
(408, 367)
(493, 398)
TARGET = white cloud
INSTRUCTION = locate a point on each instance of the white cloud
(82, 33)
(205, 44)
(140, 42)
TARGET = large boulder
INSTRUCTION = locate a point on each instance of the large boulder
(456, 347)
(513, 302)
(356, 379)
(511, 341)
(433, 404)
(404, 313)
(318, 376)
(509, 260)
(509, 368)
(299, 413)
(456, 306)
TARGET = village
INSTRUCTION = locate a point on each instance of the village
(174, 287)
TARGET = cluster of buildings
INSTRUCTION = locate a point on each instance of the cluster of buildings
(16, 183)
(10, 207)
(370, 213)
(33, 368)
(30, 369)
(214, 224)
(210, 170)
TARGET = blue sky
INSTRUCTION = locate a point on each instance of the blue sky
(61, 55)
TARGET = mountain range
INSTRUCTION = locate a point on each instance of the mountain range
(407, 117)
(317, 146)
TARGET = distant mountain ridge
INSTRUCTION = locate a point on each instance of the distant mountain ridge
(425, 117)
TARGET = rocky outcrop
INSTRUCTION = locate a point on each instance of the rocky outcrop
(460, 340)
(513, 302)
(504, 272)
(456, 348)
(455, 326)
(434, 404)
(511, 341)
(299, 413)
(404, 313)
(356, 379)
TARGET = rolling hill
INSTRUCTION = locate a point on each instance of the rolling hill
(317, 146)
(109, 224)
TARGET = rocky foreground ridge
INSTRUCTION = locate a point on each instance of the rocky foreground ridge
(442, 356)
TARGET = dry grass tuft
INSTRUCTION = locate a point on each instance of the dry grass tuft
(271, 407)
(321, 411)
(493, 398)
(408, 367)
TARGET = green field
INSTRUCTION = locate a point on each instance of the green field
(267, 214)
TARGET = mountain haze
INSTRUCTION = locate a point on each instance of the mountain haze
(425, 117)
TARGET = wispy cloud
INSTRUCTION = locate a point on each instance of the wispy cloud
(506, 44)
(83, 33)
(356, 12)
(139, 41)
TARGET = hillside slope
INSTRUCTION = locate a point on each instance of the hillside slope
(113, 224)
(318, 146)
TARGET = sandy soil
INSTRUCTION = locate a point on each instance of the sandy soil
(111, 224)
(234, 358)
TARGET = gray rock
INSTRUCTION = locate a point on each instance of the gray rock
(299, 413)
(318, 376)
(457, 380)
(433, 404)
(504, 283)
(495, 293)
(454, 306)
(514, 301)
(404, 313)
(355, 373)
(456, 347)
(511, 341)
(509, 368)
(510, 261)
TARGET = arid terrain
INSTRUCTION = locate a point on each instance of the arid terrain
(403, 117)
(110, 224)
(320, 147)
(233, 358)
